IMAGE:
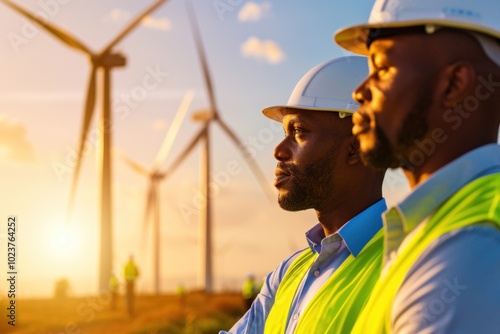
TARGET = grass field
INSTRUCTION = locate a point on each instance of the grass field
(200, 314)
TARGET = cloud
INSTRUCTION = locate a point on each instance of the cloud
(14, 144)
(253, 11)
(267, 50)
(120, 15)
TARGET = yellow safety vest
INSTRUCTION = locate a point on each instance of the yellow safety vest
(335, 307)
(130, 271)
(477, 202)
(113, 283)
(248, 289)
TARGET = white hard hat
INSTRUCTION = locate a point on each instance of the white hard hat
(478, 16)
(326, 87)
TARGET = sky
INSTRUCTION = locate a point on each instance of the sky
(256, 52)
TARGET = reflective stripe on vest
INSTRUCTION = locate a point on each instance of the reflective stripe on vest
(477, 202)
(335, 307)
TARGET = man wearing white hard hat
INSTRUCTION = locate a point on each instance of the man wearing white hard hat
(322, 288)
(431, 105)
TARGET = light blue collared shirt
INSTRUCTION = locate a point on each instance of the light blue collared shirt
(331, 250)
(454, 286)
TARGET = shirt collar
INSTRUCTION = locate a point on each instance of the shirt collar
(356, 232)
(428, 196)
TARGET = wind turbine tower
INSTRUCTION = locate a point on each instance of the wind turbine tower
(105, 61)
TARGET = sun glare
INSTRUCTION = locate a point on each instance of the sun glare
(65, 243)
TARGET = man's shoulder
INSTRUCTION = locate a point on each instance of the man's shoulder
(273, 280)
(471, 243)
(286, 263)
(453, 283)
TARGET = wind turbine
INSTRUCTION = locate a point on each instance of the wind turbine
(105, 61)
(207, 117)
(155, 177)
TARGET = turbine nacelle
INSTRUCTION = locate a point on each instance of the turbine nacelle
(109, 60)
(203, 116)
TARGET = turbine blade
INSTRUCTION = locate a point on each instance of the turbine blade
(87, 119)
(201, 54)
(250, 161)
(131, 163)
(150, 202)
(186, 151)
(57, 32)
(133, 24)
(173, 130)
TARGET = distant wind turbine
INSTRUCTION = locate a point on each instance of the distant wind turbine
(207, 117)
(105, 60)
(152, 208)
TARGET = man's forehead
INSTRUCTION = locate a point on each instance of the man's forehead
(293, 115)
(311, 115)
(313, 119)
(398, 45)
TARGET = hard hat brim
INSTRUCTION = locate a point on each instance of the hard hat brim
(277, 113)
(354, 38)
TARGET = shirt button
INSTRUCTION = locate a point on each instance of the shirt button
(316, 273)
(295, 316)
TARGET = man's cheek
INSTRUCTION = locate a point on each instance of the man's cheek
(390, 120)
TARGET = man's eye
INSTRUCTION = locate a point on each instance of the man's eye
(297, 131)
(382, 69)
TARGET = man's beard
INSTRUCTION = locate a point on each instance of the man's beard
(309, 188)
(415, 126)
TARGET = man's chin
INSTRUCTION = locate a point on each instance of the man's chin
(289, 204)
(291, 208)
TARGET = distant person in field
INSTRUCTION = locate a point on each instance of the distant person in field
(249, 291)
(181, 292)
(113, 289)
(322, 288)
(130, 274)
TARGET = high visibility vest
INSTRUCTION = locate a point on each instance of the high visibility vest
(248, 289)
(336, 305)
(477, 202)
(181, 290)
(113, 283)
(130, 271)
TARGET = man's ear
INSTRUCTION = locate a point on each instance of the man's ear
(352, 157)
(458, 81)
